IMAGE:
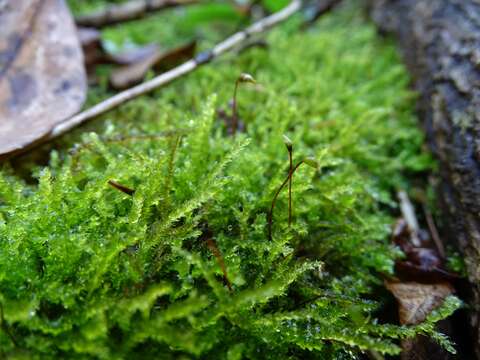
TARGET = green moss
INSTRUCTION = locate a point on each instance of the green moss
(87, 271)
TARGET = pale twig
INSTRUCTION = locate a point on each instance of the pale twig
(408, 212)
(167, 77)
(131, 10)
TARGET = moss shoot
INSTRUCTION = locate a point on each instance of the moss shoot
(181, 266)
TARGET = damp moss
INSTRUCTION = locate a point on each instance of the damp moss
(87, 271)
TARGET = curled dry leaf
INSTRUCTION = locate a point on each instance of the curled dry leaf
(90, 39)
(416, 301)
(132, 56)
(95, 53)
(42, 77)
(133, 74)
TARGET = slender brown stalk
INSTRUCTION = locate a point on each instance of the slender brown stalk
(290, 171)
(243, 78)
(274, 201)
(234, 108)
(121, 187)
(212, 246)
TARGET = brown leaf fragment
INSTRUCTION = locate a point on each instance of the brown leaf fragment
(175, 56)
(95, 53)
(42, 77)
(128, 76)
(416, 301)
(90, 39)
(132, 56)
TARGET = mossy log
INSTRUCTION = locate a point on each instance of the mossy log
(440, 40)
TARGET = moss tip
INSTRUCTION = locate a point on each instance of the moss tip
(246, 78)
(288, 143)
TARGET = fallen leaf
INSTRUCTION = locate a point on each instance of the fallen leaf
(132, 56)
(42, 76)
(95, 53)
(130, 75)
(416, 301)
(422, 263)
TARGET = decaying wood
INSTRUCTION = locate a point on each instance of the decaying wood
(131, 10)
(203, 58)
(440, 40)
(42, 78)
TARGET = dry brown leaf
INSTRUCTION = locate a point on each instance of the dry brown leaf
(42, 76)
(132, 56)
(130, 75)
(416, 301)
(93, 52)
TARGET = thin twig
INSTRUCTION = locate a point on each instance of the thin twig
(434, 232)
(234, 108)
(408, 212)
(131, 10)
(167, 77)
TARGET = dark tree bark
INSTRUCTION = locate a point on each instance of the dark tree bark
(440, 40)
